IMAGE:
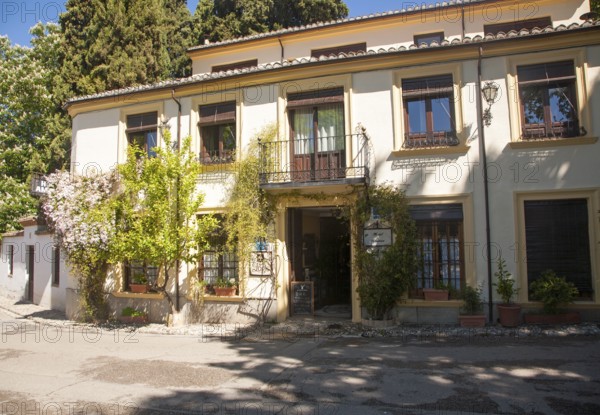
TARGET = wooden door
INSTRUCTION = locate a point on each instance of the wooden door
(30, 264)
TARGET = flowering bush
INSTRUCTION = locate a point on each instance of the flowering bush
(79, 209)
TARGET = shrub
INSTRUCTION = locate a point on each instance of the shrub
(472, 301)
(505, 285)
(553, 291)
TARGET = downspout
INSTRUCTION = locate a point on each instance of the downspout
(462, 11)
(282, 49)
(486, 191)
(177, 262)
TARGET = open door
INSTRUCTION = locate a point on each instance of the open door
(30, 265)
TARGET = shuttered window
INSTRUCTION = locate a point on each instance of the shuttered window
(236, 65)
(548, 100)
(440, 246)
(429, 112)
(517, 25)
(218, 133)
(142, 132)
(557, 238)
(218, 261)
(56, 266)
(336, 50)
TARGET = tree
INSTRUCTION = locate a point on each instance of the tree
(118, 43)
(156, 210)
(229, 19)
(595, 6)
(34, 132)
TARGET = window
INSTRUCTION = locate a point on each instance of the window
(356, 47)
(517, 25)
(440, 246)
(317, 132)
(56, 266)
(548, 100)
(428, 38)
(429, 112)
(237, 65)
(217, 133)
(10, 253)
(218, 261)
(137, 272)
(557, 238)
(142, 132)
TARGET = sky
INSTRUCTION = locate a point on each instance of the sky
(17, 16)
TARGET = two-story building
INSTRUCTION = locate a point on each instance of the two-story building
(392, 98)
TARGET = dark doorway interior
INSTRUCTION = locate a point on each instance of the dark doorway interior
(319, 249)
(30, 261)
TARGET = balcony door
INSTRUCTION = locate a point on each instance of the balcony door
(318, 142)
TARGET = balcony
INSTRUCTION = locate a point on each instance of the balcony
(305, 162)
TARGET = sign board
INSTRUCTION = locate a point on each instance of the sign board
(261, 263)
(303, 298)
(377, 237)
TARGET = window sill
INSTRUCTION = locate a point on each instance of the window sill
(412, 302)
(431, 151)
(552, 142)
(145, 296)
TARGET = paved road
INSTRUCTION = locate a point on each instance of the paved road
(48, 370)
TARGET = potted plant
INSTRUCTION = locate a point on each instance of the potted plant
(554, 292)
(509, 314)
(225, 287)
(130, 315)
(472, 310)
(439, 292)
(139, 283)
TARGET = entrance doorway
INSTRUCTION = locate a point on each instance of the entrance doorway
(319, 250)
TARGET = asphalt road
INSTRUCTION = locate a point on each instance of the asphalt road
(62, 370)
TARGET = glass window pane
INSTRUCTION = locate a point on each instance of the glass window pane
(151, 143)
(417, 116)
(331, 127)
(442, 121)
(303, 131)
(561, 106)
(533, 103)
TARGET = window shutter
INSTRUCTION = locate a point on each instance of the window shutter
(557, 238)
(217, 114)
(545, 72)
(140, 121)
(433, 85)
(529, 24)
(451, 211)
(236, 65)
(336, 50)
(310, 98)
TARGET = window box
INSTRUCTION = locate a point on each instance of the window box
(472, 321)
(225, 291)
(434, 294)
(138, 288)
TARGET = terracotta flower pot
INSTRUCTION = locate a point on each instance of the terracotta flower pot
(432, 294)
(509, 314)
(138, 288)
(472, 321)
(133, 319)
(225, 291)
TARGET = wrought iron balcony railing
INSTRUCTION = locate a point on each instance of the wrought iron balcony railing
(434, 139)
(325, 159)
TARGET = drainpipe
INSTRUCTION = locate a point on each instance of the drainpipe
(282, 49)
(486, 191)
(462, 15)
(177, 262)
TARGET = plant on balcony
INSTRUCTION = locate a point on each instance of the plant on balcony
(139, 283)
(509, 314)
(385, 273)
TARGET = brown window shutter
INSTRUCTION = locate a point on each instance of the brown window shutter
(311, 98)
(433, 85)
(217, 114)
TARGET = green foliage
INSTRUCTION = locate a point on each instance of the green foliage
(595, 6)
(156, 208)
(553, 291)
(15, 203)
(249, 211)
(114, 43)
(229, 19)
(225, 283)
(472, 304)
(384, 275)
(132, 312)
(505, 284)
